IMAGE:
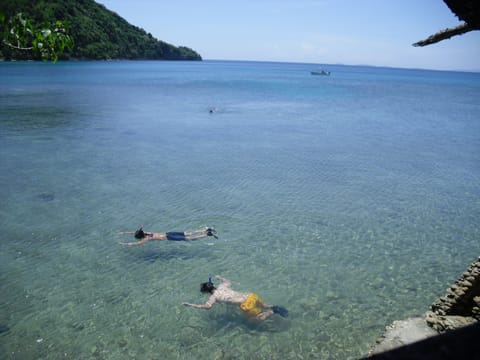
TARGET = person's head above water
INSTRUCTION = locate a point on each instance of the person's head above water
(207, 287)
(211, 232)
(139, 234)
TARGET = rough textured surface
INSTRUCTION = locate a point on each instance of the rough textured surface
(448, 322)
(403, 332)
(459, 308)
(461, 305)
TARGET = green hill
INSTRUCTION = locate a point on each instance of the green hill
(98, 33)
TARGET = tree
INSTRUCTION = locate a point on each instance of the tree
(21, 39)
(98, 32)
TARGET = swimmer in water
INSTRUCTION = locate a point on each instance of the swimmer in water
(251, 305)
(144, 236)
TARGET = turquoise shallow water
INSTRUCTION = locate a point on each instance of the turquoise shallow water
(353, 200)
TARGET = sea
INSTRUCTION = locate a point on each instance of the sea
(352, 200)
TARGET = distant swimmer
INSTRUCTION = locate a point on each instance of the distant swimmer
(144, 236)
(213, 110)
(250, 304)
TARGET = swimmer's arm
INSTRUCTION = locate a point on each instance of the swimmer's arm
(134, 243)
(133, 232)
(148, 237)
(208, 305)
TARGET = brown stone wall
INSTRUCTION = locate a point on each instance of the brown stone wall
(461, 305)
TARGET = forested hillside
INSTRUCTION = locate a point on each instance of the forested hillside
(98, 33)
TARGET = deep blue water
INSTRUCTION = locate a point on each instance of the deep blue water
(351, 199)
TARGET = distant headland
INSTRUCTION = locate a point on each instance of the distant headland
(98, 33)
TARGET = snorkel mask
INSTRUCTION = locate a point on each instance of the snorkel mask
(207, 286)
(211, 232)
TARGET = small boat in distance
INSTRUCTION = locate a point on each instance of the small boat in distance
(320, 72)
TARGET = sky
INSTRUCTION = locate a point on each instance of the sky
(351, 32)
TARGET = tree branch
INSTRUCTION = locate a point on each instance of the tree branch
(446, 34)
(16, 47)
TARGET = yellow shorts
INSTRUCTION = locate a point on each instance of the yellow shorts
(252, 306)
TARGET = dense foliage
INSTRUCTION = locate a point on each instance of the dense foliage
(97, 32)
(24, 40)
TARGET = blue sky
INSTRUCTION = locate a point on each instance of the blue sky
(354, 32)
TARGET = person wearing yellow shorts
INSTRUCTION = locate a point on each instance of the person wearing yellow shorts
(250, 303)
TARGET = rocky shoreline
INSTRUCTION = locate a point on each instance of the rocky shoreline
(458, 308)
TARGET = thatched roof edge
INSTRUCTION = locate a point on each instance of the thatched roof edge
(467, 11)
(445, 34)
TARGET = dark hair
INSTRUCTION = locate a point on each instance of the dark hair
(207, 287)
(139, 234)
(212, 232)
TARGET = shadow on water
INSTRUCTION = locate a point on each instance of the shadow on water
(37, 117)
(153, 255)
(231, 318)
(4, 329)
(46, 196)
(33, 111)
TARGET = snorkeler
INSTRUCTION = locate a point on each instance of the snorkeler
(251, 305)
(144, 236)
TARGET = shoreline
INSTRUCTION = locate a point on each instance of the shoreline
(459, 308)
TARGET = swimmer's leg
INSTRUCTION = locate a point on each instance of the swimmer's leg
(264, 314)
